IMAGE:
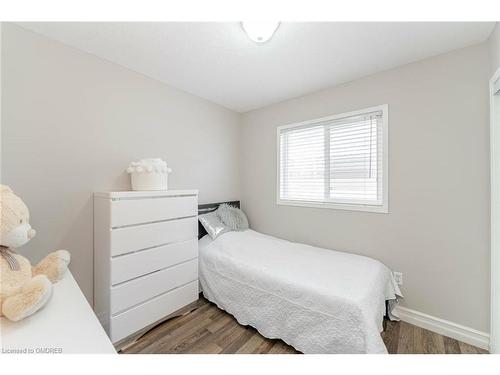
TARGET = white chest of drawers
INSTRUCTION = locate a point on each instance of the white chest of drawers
(145, 257)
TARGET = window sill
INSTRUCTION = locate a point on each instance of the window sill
(383, 209)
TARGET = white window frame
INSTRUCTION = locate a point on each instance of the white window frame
(382, 208)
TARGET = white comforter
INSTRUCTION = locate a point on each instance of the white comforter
(317, 300)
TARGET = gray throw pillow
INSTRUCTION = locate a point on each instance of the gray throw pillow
(232, 217)
(213, 224)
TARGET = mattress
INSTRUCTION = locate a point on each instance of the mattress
(317, 300)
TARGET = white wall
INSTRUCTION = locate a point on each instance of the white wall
(72, 122)
(437, 231)
(494, 45)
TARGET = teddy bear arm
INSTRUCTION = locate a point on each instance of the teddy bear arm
(53, 265)
(33, 296)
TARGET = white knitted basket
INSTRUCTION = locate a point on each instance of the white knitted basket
(149, 174)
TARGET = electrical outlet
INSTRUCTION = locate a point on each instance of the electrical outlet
(398, 276)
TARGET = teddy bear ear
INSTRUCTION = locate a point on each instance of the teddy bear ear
(5, 189)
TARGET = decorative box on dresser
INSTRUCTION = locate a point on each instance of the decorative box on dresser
(145, 258)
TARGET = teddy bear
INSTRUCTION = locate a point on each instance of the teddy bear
(23, 289)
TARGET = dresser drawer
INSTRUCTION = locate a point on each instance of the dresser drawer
(130, 321)
(128, 239)
(137, 211)
(128, 266)
(146, 287)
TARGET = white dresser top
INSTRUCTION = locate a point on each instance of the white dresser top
(67, 322)
(144, 194)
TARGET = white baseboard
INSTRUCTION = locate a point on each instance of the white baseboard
(444, 327)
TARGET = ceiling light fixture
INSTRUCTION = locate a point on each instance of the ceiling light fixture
(260, 32)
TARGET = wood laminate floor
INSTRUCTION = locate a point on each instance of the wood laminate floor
(209, 329)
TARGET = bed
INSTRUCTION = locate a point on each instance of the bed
(314, 299)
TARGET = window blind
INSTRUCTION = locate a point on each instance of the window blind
(333, 161)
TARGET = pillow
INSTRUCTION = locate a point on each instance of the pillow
(213, 224)
(232, 217)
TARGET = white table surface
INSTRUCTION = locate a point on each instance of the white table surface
(66, 324)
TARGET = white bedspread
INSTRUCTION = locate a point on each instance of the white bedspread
(317, 300)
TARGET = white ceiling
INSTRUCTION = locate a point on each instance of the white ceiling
(218, 62)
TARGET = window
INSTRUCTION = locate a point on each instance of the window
(335, 162)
